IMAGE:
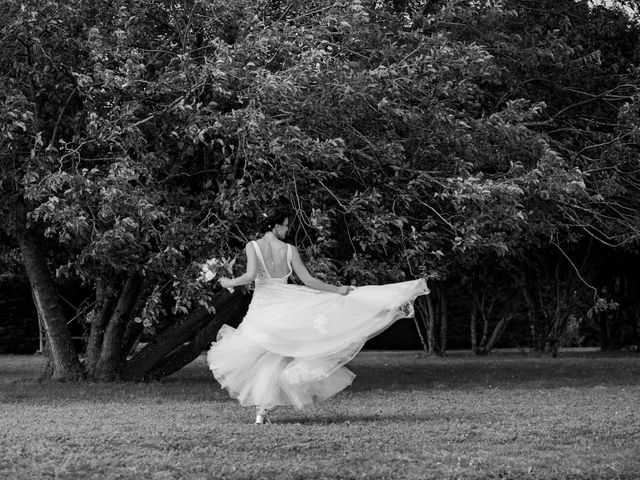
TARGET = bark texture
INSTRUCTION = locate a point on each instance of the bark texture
(187, 338)
(61, 351)
(112, 354)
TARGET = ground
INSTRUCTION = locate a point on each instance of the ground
(407, 416)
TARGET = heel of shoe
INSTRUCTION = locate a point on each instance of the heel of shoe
(261, 416)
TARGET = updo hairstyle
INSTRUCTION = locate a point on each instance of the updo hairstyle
(274, 216)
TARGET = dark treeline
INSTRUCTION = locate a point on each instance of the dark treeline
(490, 146)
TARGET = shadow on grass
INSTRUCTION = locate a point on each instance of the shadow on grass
(338, 419)
(418, 372)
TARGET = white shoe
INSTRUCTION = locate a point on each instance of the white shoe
(261, 417)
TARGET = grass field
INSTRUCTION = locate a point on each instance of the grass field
(406, 416)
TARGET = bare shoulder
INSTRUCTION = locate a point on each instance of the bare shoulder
(296, 258)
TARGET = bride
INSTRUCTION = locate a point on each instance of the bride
(294, 341)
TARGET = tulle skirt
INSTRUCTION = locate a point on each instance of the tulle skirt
(292, 345)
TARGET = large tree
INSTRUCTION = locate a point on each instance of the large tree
(101, 148)
(140, 139)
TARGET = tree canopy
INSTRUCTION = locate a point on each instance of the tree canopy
(488, 144)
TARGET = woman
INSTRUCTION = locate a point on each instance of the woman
(291, 346)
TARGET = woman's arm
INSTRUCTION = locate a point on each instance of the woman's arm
(249, 276)
(310, 281)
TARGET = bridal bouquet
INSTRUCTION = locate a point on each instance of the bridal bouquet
(208, 270)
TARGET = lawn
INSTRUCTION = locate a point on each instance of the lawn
(406, 416)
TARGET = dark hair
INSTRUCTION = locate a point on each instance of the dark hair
(274, 216)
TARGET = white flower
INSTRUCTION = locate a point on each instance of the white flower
(207, 270)
(211, 262)
(208, 275)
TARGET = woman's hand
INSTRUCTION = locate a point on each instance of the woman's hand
(225, 282)
(344, 290)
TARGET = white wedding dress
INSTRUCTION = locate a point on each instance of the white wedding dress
(294, 341)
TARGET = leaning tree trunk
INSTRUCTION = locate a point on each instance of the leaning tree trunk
(421, 317)
(64, 359)
(184, 340)
(497, 333)
(230, 314)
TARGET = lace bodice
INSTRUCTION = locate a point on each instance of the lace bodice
(263, 275)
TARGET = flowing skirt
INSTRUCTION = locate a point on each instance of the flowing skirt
(292, 345)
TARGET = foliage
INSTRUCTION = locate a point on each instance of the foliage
(409, 139)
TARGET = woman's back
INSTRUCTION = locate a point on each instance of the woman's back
(274, 259)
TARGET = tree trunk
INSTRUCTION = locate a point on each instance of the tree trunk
(444, 319)
(231, 314)
(112, 351)
(47, 372)
(485, 331)
(421, 313)
(537, 343)
(177, 345)
(436, 320)
(132, 336)
(486, 313)
(497, 333)
(431, 326)
(473, 325)
(102, 311)
(163, 344)
(66, 366)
